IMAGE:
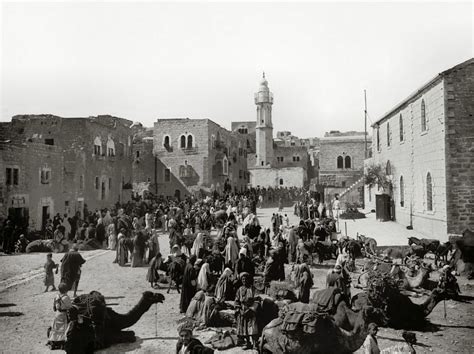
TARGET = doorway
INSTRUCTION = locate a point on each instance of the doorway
(44, 216)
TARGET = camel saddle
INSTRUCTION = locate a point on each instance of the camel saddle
(328, 299)
(301, 317)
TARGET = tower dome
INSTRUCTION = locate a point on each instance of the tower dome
(263, 83)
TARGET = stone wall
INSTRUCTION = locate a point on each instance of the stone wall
(272, 177)
(412, 158)
(27, 198)
(459, 100)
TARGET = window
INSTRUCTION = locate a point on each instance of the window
(225, 166)
(423, 116)
(12, 176)
(429, 192)
(137, 154)
(45, 175)
(389, 137)
(245, 153)
(182, 142)
(213, 141)
(166, 141)
(97, 146)
(388, 168)
(402, 192)
(378, 138)
(343, 184)
(110, 147)
(262, 163)
(182, 171)
(102, 191)
(281, 181)
(347, 162)
(401, 127)
(167, 175)
(240, 174)
(96, 182)
(340, 162)
(110, 184)
(49, 141)
(81, 182)
(190, 141)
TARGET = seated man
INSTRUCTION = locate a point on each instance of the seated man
(187, 343)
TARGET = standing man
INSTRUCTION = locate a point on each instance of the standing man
(71, 269)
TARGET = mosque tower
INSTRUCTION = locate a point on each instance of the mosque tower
(264, 127)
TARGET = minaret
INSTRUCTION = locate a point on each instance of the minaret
(264, 128)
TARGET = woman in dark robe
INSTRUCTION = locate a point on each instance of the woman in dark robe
(305, 282)
(189, 284)
(139, 248)
(71, 269)
(122, 248)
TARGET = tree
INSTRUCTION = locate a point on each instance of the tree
(375, 175)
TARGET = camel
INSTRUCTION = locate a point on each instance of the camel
(369, 244)
(326, 336)
(402, 313)
(408, 282)
(95, 326)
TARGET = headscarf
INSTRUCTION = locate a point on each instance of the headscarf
(198, 243)
(231, 250)
(202, 280)
(177, 251)
(243, 251)
(221, 286)
(195, 306)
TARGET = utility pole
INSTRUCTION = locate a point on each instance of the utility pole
(365, 124)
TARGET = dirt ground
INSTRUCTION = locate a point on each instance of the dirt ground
(26, 311)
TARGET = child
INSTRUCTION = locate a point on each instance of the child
(57, 331)
(48, 268)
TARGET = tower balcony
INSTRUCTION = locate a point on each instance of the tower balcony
(263, 97)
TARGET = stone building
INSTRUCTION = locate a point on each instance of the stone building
(201, 155)
(247, 129)
(272, 165)
(425, 146)
(341, 165)
(31, 182)
(94, 171)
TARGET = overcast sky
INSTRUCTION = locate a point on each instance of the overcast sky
(144, 61)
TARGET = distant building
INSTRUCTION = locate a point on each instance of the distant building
(201, 155)
(341, 165)
(272, 164)
(81, 163)
(425, 146)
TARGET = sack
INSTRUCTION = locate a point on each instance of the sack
(300, 317)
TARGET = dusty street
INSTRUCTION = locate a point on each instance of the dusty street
(27, 312)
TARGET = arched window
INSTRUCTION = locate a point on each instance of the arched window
(97, 146)
(110, 147)
(340, 162)
(281, 181)
(389, 137)
(388, 168)
(182, 142)
(166, 141)
(402, 192)
(213, 141)
(225, 166)
(182, 171)
(190, 141)
(347, 162)
(401, 127)
(423, 116)
(137, 154)
(429, 192)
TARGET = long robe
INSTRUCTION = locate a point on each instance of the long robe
(231, 251)
(224, 285)
(195, 306)
(62, 303)
(305, 283)
(188, 290)
(246, 314)
(203, 277)
(70, 268)
(139, 247)
(122, 250)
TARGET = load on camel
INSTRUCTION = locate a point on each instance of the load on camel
(303, 329)
(410, 278)
(383, 293)
(95, 326)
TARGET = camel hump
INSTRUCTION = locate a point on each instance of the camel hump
(328, 299)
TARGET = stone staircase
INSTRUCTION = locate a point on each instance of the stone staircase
(354, 185)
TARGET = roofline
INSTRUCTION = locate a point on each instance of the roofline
(430, 83)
